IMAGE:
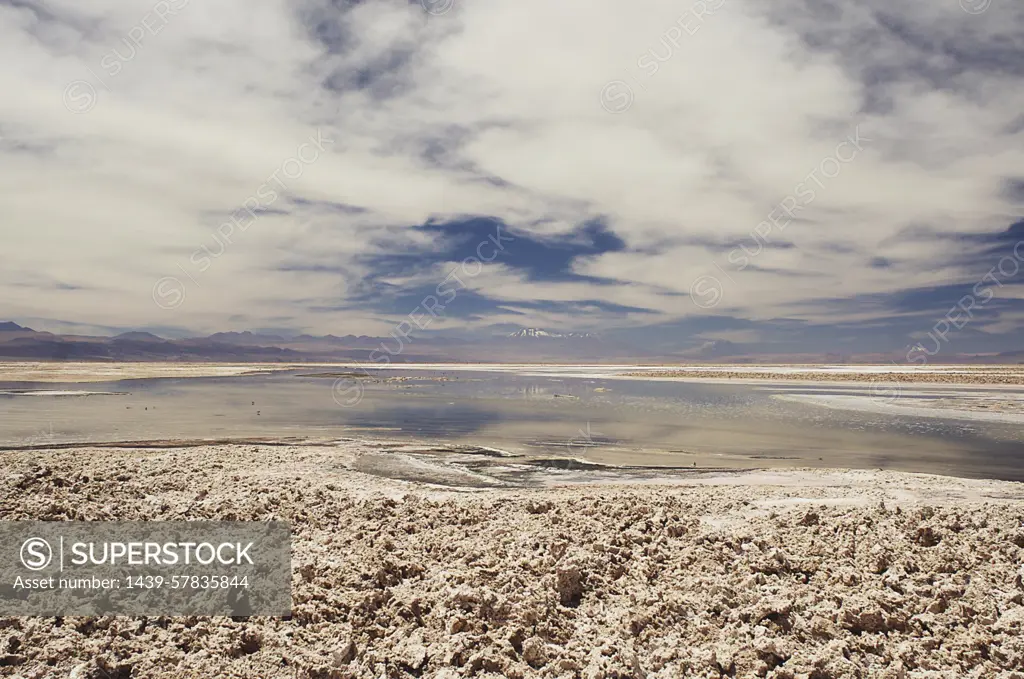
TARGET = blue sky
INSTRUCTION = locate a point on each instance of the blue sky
(787, 175)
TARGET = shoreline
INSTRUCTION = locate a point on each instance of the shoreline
(466, 466)
(989, 375)
(989, 409)
(780, 573)
(46, 372)
(1009, 376)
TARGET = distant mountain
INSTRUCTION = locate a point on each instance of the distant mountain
(537, 333)
(524, 345)
(55, 347)
(138, 337)
(712, 349)
(248, 338)
(10, 332)
(532, 333)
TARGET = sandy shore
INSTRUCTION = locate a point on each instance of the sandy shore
(785, 574)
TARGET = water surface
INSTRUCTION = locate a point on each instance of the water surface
(534, 415)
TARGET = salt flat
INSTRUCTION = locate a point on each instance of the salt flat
(774, 574)
(994, 375)
(991, 407)
(83, 371)
(974, 374)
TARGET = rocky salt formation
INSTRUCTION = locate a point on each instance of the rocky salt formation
(811, 574)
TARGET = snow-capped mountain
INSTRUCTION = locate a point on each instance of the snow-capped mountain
(531, 333)
(537, 333)
(712, 349)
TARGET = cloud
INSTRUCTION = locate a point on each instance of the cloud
(631, 149)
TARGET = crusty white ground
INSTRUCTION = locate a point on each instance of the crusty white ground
(989, 407)
(775, 574)
(1009, 375)
(71, 371)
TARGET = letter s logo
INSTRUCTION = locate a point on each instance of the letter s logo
(36, 554)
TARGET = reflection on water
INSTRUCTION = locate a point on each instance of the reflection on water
(535, 417)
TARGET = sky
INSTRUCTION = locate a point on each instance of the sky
(786, 175)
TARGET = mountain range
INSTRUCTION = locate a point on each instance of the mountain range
(524, 345)
(19, 342)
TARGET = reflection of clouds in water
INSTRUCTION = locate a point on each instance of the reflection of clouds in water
(534, 390)
(631, 422)
(582, 441)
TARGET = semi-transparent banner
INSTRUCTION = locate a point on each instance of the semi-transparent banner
(58, 568)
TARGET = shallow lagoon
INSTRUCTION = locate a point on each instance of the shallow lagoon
(532, 414)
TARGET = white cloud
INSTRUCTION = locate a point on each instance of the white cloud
(210, 105)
